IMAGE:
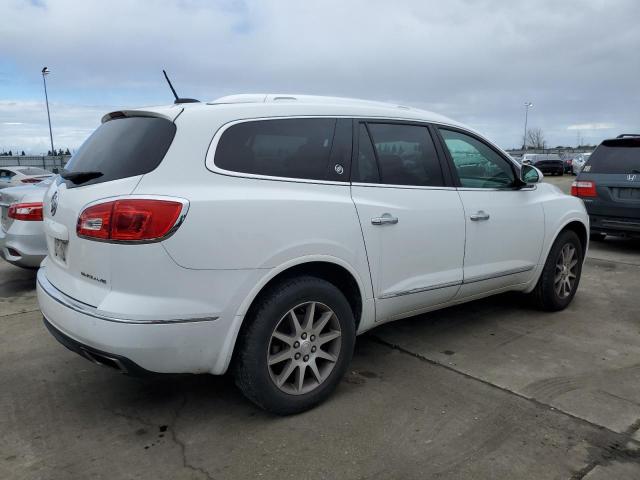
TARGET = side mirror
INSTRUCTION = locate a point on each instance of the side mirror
(530, 174)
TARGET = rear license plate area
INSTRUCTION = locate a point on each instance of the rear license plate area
(60, 250)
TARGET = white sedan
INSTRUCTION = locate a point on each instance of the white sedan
(22, 175)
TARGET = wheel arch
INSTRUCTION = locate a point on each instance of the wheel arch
(331, 269)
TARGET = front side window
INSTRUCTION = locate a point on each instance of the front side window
(309, 148)
(365, 168)
(477, 164)
(406, 155)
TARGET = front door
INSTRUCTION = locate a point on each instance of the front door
(413, 225)
(505, 225)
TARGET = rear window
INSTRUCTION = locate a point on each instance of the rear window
(124, 147)
(615, 156)
(309, 148)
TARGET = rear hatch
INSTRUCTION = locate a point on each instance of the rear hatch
(110, 163)
(614, 168)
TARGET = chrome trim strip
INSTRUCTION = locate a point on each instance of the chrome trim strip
(478, 278)
(513, 271)
(91, 311)
(419, 290)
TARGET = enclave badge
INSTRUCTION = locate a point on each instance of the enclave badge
(54, 204)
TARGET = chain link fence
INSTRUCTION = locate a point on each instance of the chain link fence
(53, 163)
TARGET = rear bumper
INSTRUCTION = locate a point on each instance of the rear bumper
(559, 168)
(615, 225)
(167, 346)
(23, 244)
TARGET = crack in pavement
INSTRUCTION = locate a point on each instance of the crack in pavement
(173, 434)
(183, 448)
(614, 447)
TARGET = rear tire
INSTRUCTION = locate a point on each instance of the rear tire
(296, 346)
(560, 276)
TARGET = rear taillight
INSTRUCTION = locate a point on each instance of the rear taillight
(132, 220)
(31, 180)
(29, 212)
(583, 189)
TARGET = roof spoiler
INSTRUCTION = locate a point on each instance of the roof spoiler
(169, 113)
(625, 135)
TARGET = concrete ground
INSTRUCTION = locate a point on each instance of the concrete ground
(492, 389)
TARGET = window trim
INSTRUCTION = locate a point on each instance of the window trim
(447, 180)
(515, 168)
(213, 146)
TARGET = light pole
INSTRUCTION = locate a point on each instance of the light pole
(527, 106)
(45, 72)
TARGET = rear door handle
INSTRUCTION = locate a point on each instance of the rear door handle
(479, 215)
(385, 219)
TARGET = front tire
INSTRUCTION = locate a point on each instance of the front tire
(560, 276)
(296, 347)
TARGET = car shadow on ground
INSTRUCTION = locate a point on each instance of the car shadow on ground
(16, 281)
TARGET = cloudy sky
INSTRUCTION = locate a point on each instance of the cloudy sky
(477, 61)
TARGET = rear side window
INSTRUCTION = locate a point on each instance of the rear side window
(615, 156)
(124, 147)
(309, 148)
(406, 155)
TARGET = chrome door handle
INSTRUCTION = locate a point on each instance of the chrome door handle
(479, 215)
(385, 219)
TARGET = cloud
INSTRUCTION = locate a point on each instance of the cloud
(592, 126)
(474, 61)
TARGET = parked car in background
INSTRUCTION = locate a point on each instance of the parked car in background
(22, 240)
(21, 175)
(609, 184)
(578, 162)
(545, 162)
(261, 233)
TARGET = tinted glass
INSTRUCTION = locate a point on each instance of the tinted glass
(406, 155)
(477, 164)
(365, 169)
(293, 148)
(615, 156)
(124, 147)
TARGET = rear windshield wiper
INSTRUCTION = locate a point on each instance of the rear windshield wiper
(635, 170)
(80, 177)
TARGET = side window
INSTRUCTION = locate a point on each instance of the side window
(477, 164)
(365, 169)
(294, 148)
(6, 175)
(406, 155)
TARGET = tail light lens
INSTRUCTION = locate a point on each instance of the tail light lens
(583, 189)
(31, 180)
(28, 212)
(132, 220)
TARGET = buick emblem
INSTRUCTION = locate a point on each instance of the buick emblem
(54, 204)
(631, 178)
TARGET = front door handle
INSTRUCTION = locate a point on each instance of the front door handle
(385, 219)
(479, 215)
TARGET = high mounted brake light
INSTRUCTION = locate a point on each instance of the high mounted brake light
(28, 212)
(131, 220)
(584, 189)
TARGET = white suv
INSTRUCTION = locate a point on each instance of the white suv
(262, 233)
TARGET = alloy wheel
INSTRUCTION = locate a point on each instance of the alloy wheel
(304, 348)
(565, 276)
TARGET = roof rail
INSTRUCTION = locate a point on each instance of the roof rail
(624, 135)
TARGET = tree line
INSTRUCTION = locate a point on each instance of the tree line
(59, 152)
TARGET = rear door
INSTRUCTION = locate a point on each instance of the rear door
(110, 163)
(412, 221)
(614, 167)
(504, 225)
